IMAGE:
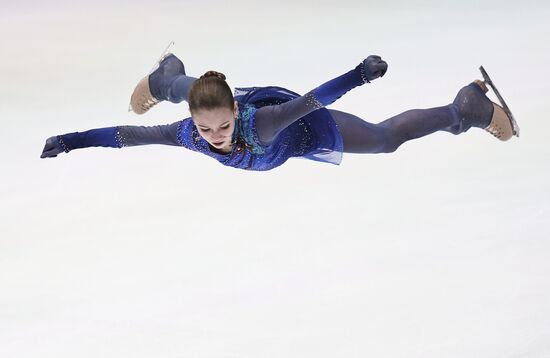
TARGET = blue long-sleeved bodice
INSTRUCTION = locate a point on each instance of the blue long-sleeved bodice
(313, 136)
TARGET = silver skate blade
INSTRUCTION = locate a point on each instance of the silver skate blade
(164, 53)
(515, 127)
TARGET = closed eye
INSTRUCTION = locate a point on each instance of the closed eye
(206, 130)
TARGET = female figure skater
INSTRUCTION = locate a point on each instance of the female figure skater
(260, 128)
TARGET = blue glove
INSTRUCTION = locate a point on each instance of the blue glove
(374, 67)
(52, 148)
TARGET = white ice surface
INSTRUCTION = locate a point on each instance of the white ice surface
(438, 250)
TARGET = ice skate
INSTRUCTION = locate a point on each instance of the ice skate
(152, 89)
(477, 110)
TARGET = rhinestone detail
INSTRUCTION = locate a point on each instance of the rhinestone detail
(364, 74)
(312, 102)
(62, 144)
(121, 142)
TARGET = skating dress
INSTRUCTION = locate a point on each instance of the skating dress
(312, 133)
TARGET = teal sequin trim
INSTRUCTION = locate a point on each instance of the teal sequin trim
(246, 128)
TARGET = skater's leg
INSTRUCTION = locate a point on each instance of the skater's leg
(179, 88)
(360, 136)
(470, 108)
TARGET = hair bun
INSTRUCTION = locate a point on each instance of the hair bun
(214, 74)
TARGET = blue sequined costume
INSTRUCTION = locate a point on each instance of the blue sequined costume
(314, 136)
(306, 128)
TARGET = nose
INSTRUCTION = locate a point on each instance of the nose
(217, 135)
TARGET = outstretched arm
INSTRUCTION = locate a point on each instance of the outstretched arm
(271, 120)
(114, 137)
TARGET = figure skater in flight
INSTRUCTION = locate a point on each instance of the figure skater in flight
(260, 128)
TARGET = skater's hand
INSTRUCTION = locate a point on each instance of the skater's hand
(52, 148)
(374, 67)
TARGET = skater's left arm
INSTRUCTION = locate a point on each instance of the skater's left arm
(271, 120)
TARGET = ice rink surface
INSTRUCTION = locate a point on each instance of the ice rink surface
(440, 249)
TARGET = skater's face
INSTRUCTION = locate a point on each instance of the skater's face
(216, 126)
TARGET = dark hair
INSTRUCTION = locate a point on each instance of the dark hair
(210, 91)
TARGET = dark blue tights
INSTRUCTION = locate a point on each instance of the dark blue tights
(363, 137)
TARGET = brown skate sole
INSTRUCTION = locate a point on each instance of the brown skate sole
(500, 125)
(142, 100)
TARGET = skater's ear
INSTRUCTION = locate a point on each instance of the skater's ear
(236, 109)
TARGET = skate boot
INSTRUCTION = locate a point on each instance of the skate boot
(155, 87)
(477, 110)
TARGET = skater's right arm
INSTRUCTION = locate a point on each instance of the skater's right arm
(114, 137)
(271, 120)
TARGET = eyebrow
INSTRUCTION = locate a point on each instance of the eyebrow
(200, 125)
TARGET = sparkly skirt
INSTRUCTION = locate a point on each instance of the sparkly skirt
(314, 136)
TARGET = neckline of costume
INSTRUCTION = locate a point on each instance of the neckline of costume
(215, 151)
